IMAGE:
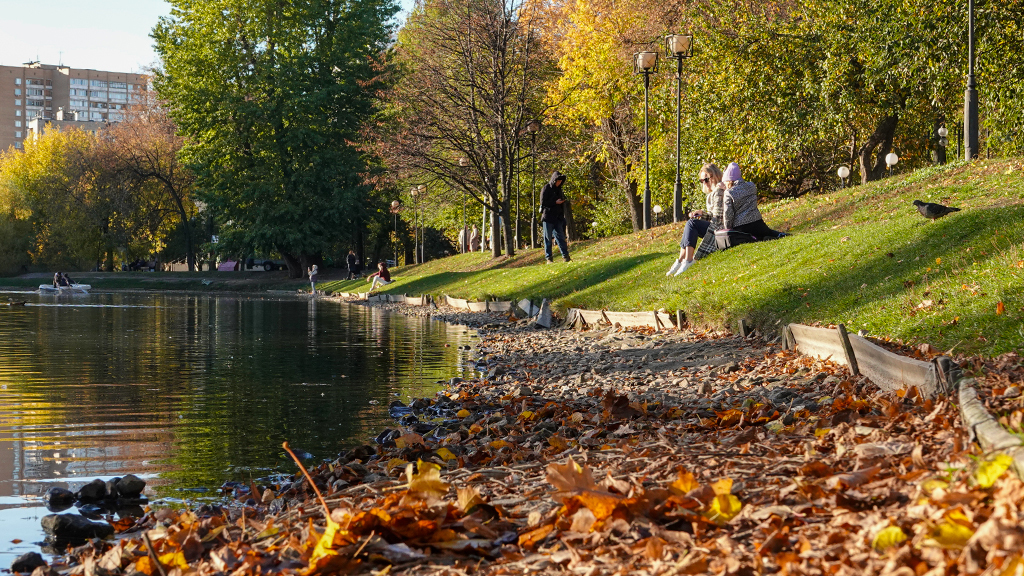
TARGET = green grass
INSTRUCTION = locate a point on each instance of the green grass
(860, 256)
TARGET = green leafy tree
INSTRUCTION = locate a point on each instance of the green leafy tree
(270, 95)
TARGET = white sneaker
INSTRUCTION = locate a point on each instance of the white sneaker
(672, 270)
(683, 268)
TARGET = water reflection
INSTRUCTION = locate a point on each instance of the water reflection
(192, 390)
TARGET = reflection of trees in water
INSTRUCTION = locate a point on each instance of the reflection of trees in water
(227, 378)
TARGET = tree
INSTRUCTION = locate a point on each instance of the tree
(270, 95)
(467, 82)
(145, 148)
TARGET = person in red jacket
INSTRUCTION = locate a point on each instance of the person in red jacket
(380, 277)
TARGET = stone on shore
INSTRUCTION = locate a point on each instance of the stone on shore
(131, 486)
(95, 490)
(27, 562)
(58, 498)
(75, 526)
(544, 316)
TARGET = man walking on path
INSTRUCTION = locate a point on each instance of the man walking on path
(553, 216)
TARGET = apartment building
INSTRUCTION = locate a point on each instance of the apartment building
(37, 91)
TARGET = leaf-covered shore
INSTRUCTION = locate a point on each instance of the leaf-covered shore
(620, 452)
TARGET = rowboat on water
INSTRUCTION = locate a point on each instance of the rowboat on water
(73, 289)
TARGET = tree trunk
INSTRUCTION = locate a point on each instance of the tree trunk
(295, 269)
(570, 222)
(495, 243)
(636, 208)
(878, 144)
(510, 239)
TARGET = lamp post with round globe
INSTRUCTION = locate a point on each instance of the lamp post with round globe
(396, 207)
(646, 63)
(680, 46)
(843, 174)
(464, 163)
(943, 134)
(890, 160)
(533, 127)
(657, 214)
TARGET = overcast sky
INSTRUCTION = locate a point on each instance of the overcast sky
(109, 35)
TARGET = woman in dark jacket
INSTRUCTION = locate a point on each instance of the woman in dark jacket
(553, 216)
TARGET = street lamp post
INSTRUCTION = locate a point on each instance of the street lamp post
(646, 63)
(943, 134)
(890, 160)
(679, 46)
(657, 214)
(464, 162)
(533, 127)
(422, 188)
(843, 174)
(415, 226)
(971, 93)
(396, 207)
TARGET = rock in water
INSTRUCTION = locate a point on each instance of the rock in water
(131, 486)
(75, 526)
(27, 562)
(57, 499)
(95, 490)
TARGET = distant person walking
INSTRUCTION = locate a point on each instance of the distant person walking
(474, 239)
(552, 217)
(312, 272)
(353, 264)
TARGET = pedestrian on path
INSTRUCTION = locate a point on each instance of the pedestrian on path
(353, 264)
(552, 217)
(474, 239)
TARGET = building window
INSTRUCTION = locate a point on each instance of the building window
(17, 145)
(17, 112)
(17, 81)
(30, 114)
(79, 104)
(118, 85)
(99, 104)
(33, 102)
(97, 84)
(17, 101)
(97, 95)
(118, 97)
(33, 92)
(79, 92)
(17, 133)
(17, 91)
(34, 82)
(78, 82)
(17, 123)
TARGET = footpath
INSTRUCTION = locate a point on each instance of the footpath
(612, 452)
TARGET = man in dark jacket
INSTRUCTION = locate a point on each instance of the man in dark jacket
(553, 216)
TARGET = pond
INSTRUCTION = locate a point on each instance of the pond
(188, 391)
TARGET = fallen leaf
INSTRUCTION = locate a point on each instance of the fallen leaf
(683, 484)
(463, 413)
(951, 533)
(446, 454)
(991, 470)
(887, 538)
(570, 477)
(468, 497)
(1000, 308)
(852, 479)
(425, 480)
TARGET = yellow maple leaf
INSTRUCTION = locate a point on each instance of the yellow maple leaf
(950, 534)
(722, 487)
(325, 545)
(723, 508)
(683, 484)
(394, 463)
(499, 444)
(526, 415)
(174, 559)
(991, 470)
(425, 480)
(462, 413)
(446, 454)
(887, 538)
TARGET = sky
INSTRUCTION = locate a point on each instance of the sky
(108, 35)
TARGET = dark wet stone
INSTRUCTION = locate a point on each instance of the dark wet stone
(131, 485)
(409, 419)
(57, 499)
(93, 491)
(27, 562)
(455, 381)
(387, 437)
(364, 453)
(112, 486)
(75, 526)
(422, 427)
(92, 511)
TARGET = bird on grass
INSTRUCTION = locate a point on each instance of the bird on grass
(932, 211)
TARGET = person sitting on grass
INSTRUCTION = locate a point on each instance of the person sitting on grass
(710, 178)
(381, 277)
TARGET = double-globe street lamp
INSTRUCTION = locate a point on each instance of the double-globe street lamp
(680, 46)
(646, 63)
(396, 207)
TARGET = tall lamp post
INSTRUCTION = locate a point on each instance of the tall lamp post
(422, 188)
(415, 226)
(890, 160)
(679, 46)
(971, 93)
(533, 127)
(943, 134)
(646, 63)
(464, 162)
(396, 207)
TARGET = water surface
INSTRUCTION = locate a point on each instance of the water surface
(188, 391)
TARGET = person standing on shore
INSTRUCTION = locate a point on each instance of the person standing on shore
(474, 239)
(353, 264)
(553, 216)
(312, 272)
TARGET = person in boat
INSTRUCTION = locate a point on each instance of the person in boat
(67, 280)
(56, 279)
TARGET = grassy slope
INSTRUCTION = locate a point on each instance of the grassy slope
(860, 256)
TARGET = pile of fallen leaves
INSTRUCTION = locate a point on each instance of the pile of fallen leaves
(865, 483)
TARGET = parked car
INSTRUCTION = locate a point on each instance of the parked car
(265, 264)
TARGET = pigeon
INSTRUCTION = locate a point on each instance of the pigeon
(933, 211)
